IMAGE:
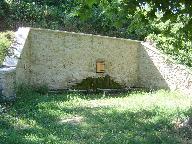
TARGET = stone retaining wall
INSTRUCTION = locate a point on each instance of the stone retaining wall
(157, 71)
(8, 70)
(60, 60)
(7, 82)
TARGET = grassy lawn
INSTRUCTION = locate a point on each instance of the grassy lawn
(134, 118)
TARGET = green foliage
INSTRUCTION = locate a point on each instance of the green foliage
(43, 89)
(24, 90)
(91, 16)
(4, 9)
(73, 118)
(168, 23)
(5, 42)
(100, 82)
(173, 40)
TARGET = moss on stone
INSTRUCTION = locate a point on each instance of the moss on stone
(105, 82)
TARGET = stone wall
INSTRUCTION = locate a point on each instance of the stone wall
(8, 70)
(23, 68)
(7, 82)
(157, 71)
(62, 59)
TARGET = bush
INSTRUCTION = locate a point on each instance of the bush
(110, 18)
(24, 90)
(41, 89)
(4, 9)
(5, 42)
(173, 40)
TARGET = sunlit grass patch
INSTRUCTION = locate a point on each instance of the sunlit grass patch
(137, 117)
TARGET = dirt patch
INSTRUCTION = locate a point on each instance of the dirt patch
(72, 120)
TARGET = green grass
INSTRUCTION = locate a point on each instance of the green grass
(134, 118)
(6, 39)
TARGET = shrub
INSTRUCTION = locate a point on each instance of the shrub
(25, 90)
(43, 89)
(173, 40)
(4, 9)
(5, 42)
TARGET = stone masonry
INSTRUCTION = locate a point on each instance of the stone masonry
(160, 72)
(60, 60)
(8, 69)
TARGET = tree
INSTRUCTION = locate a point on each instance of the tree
(171, 9)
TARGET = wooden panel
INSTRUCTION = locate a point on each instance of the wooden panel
(100, 67)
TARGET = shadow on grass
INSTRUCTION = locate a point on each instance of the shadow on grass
(48, 122)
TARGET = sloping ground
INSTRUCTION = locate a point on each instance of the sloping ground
(73, 118)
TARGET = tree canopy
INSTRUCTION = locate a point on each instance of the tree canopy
(168, 23)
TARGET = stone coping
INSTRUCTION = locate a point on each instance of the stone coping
(7, 69)
(83, 34)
